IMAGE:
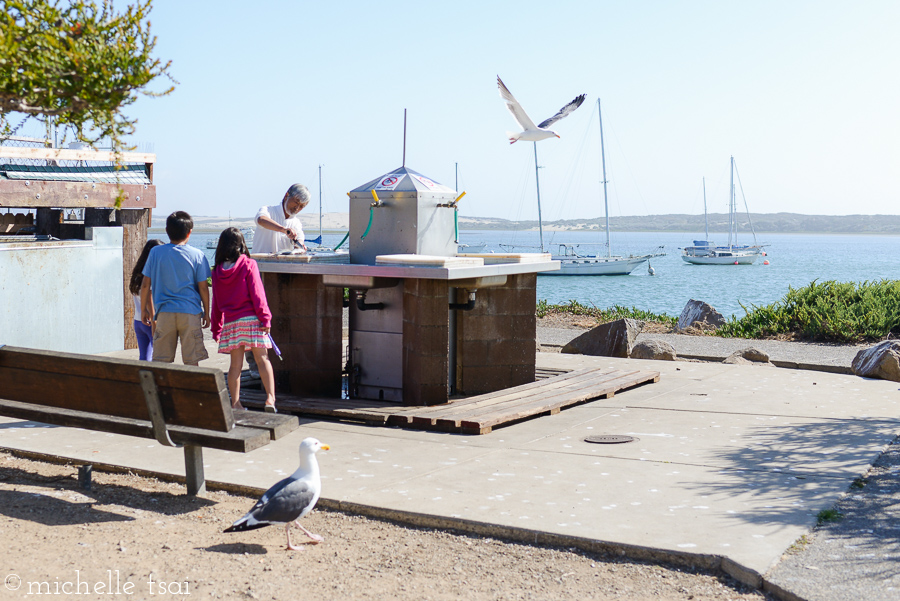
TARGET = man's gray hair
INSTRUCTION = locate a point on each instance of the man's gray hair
(300, 192)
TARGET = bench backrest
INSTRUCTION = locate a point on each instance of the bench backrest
(195, 397)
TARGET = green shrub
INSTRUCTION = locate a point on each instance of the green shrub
(829, 311)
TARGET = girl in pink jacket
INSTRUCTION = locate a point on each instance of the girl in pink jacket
(239, 301)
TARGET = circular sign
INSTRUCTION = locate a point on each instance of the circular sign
(389, 181)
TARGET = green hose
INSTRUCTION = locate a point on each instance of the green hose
(371, 214)
(456, 223)
(341, 243)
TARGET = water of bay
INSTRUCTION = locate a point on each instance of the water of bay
(795, 260)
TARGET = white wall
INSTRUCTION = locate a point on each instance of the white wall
(63, 296)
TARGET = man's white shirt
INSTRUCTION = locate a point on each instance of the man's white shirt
(266, 241)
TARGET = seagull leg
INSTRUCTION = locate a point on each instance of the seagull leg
(287, 530)
(316, 539)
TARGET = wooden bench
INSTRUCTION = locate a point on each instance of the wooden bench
(178, 405)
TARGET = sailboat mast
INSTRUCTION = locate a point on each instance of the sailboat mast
(320, 203)
(705, 214)
(731, 228)
(537, 181)
(603, 165)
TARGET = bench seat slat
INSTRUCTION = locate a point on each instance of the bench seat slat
(276, 425)
(240, 439)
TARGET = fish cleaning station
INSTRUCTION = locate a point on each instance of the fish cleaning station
(425, 324)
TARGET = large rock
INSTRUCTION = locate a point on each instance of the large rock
(699, 315)
(613, 339)
(654, 349)
(880, 361)
(745, 356)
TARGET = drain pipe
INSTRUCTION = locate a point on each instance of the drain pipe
(451, 355)
(362, 305)
(454, 307)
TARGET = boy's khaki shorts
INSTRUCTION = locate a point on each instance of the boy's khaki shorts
(170, 327)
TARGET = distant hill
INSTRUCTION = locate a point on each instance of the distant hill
(782, 223)
(793, 223)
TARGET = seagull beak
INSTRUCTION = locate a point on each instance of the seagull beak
(325, 447)
(557, 135)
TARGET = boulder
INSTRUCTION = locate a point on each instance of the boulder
(746, 356)
(880, 361)
(653, 349)
(699, 315)
(613, 339)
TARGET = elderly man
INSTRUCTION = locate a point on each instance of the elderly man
(277, 227)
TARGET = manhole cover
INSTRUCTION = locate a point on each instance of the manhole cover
(610, 439)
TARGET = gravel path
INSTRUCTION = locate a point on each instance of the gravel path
(856, 555)
(136, 531)
(713, 347)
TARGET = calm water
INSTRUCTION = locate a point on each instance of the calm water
(794, 260)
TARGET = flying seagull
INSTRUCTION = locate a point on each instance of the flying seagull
(290, 499)
(532, 132)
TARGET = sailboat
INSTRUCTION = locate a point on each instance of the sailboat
(705, 252)
(573, 263)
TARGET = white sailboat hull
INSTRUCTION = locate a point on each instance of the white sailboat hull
(597, 265)
(722, 259)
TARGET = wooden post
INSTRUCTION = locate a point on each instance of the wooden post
(193, 470)
(135, 223)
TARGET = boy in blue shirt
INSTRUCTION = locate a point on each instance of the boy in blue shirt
(175, 275)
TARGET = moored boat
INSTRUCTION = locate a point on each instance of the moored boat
(706, 252)
(574, 263)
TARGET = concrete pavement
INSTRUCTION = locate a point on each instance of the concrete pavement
(732, 464)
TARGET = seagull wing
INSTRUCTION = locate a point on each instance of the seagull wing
(285, 502)
(563, 112)
(515, 108)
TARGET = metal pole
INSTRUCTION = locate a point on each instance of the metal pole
(603, 163)
(320, 204)
(537, 181)
(404, 137)
(731, 207)
(456, 168)
(705, 214)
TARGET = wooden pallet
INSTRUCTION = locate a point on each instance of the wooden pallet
(472, 415)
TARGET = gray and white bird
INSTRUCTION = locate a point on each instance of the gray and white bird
(532, 132)
(290, 499)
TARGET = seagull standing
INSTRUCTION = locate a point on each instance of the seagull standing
(290, 499)
(532, 132)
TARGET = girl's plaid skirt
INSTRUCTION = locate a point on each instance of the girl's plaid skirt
(244, 332)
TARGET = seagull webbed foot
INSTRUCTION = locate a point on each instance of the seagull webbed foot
(316, 538)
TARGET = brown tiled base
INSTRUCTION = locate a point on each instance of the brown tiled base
(496, 340)
(306, 326)
(426, 332)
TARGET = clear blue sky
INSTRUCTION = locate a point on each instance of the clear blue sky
(804, 94)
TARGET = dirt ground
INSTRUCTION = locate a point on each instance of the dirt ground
(586, 322)
(145, 539)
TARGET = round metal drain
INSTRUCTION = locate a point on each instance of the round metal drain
(610, 439)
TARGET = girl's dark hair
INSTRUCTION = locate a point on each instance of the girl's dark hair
(231, 246)
(137, 278)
